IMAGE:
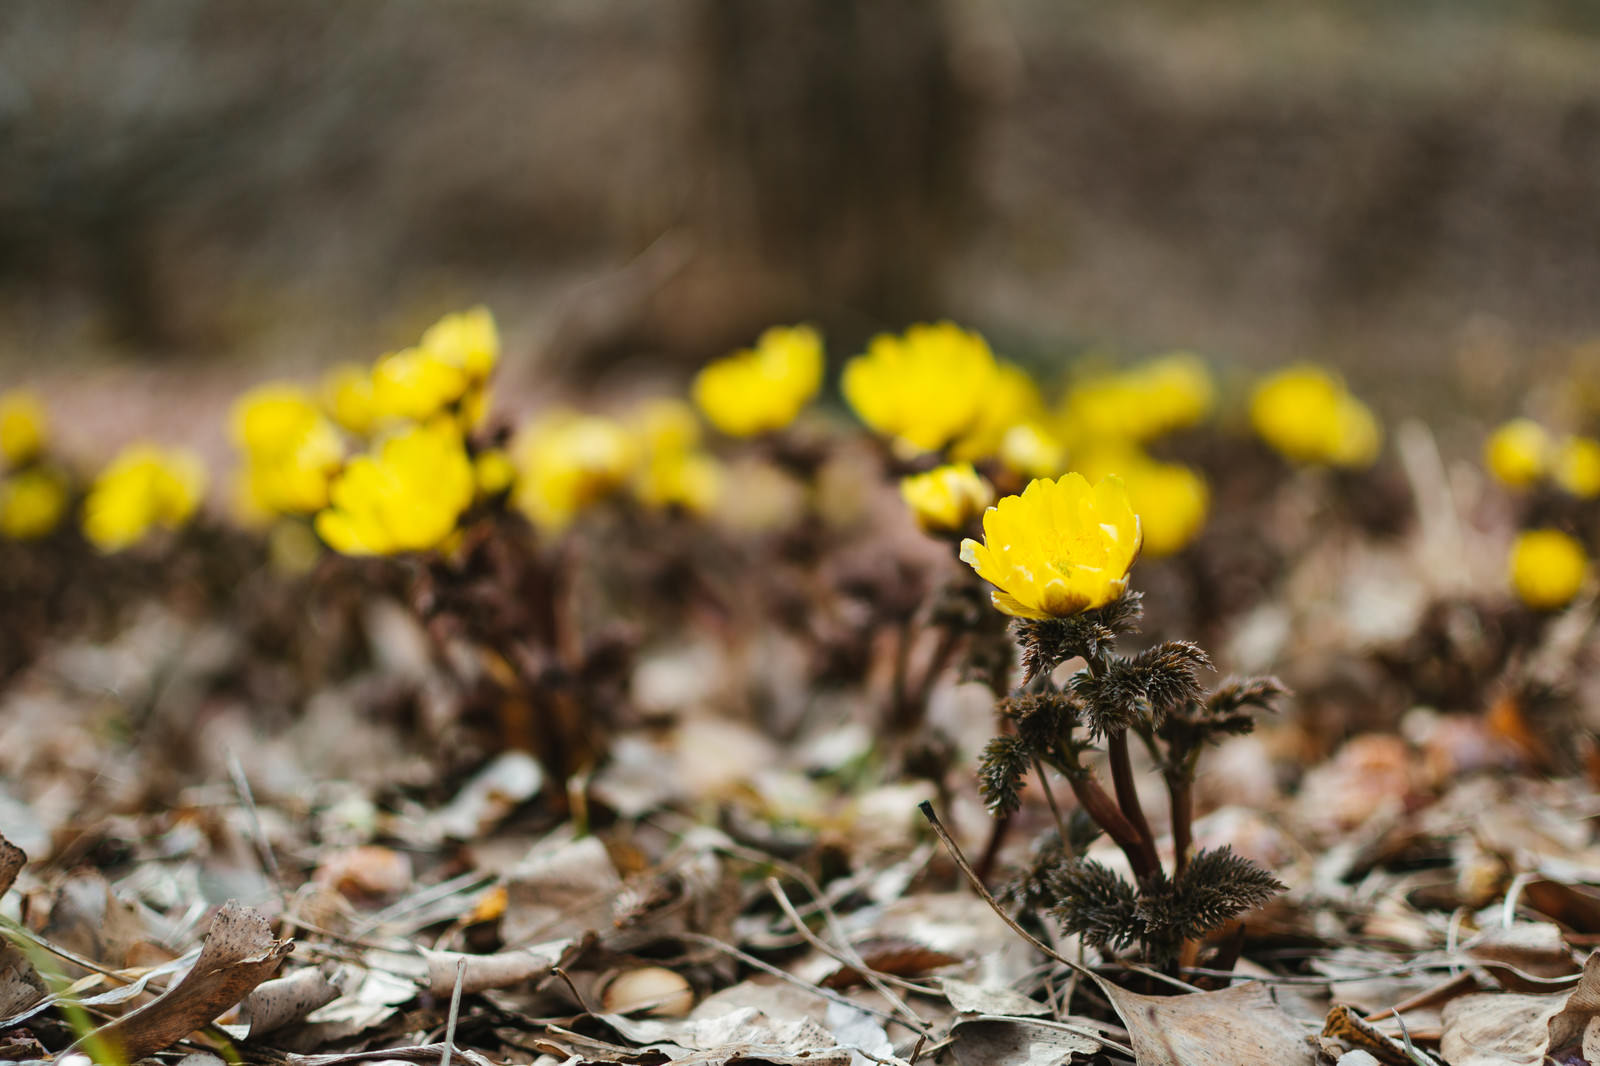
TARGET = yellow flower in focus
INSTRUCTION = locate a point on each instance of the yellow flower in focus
(1307, 415)
(23, 425)
(1547, 568)
(291, 450)
(1141, 403)
(1517, 453)
(1577, 467)
(1059, 548)
(1013, 399)
(924, 388)
(946, 498)
(348, 399)
(466, 339)
(405, 495)
(32, 502)
(566, 462)
(143, 487)
(762, 389)
(494, 471)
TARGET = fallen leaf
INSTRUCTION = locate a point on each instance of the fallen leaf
(1237, 1026)
(12, 860)
(274, 1004)
(479, 973)
(239, 953)
(997, 1041)
(1497, 1029)
(969, 998)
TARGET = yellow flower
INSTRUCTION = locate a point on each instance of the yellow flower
(687, 480)
(1170, 499)
(1547, 568)
(406, 495)
(924, 388)
(467, 339)
(1013, 399)
(1306, 414)
(1517, 453)
(762, 389)
(32, 502)
(291, 450)
(946, 498)
(1142, 402)
(347, 397)
(567, 461)
(414, 384)
(1059, 548)
(1030, 449)
(494, 471)
(143, 487)
(1577, 467)
(23, 425)
(674, 472)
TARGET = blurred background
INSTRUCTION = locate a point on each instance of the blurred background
(195, 196)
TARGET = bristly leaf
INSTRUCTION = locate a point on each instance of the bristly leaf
(1112, 700)
(1006, 761)
(1216, 886)
(1235, 694)
(1095, 903)
(1043, 719)
(1049, 642)
(1030, 888)
(1169, 674)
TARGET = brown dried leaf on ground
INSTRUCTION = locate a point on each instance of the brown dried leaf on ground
(1238, 1026)
(479, 973)
(275, 1003)
(12, 860)
(1508, 1029)
(239, 954)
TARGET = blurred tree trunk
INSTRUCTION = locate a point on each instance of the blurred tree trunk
(841, 142)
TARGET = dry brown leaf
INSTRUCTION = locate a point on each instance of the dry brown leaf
(997, 1041)
(20, 986)
(1238, 1026)
(274, 1004)
(12, 860)
(483, 972)
(1576, 1027)
(239, 953)
(1497, 1029)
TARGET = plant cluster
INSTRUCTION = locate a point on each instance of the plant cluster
(1059, 556)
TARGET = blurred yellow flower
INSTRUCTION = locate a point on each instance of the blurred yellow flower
(1518, 453)
(448, 368)
(1141, 403)
(1013, 399)
(467, 339)
(673, 472)
(32, 502)
(143, 487)
(1308, 416)
(567, 461)
(291, 451)
(347, 397)
(1577, 467)
(762, 389)
(946, 498)
(1059, 548)
(1170, 499)
(23, 425)
(1030, 449)
(924, 388)
(494, 471)
(1547, 568)
(405, 495)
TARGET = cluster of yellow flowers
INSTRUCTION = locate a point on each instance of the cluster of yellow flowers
(33, 493)
(1522, 453)
(939, 388)
(145, 487)
(1307, 415)
(762, 389)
